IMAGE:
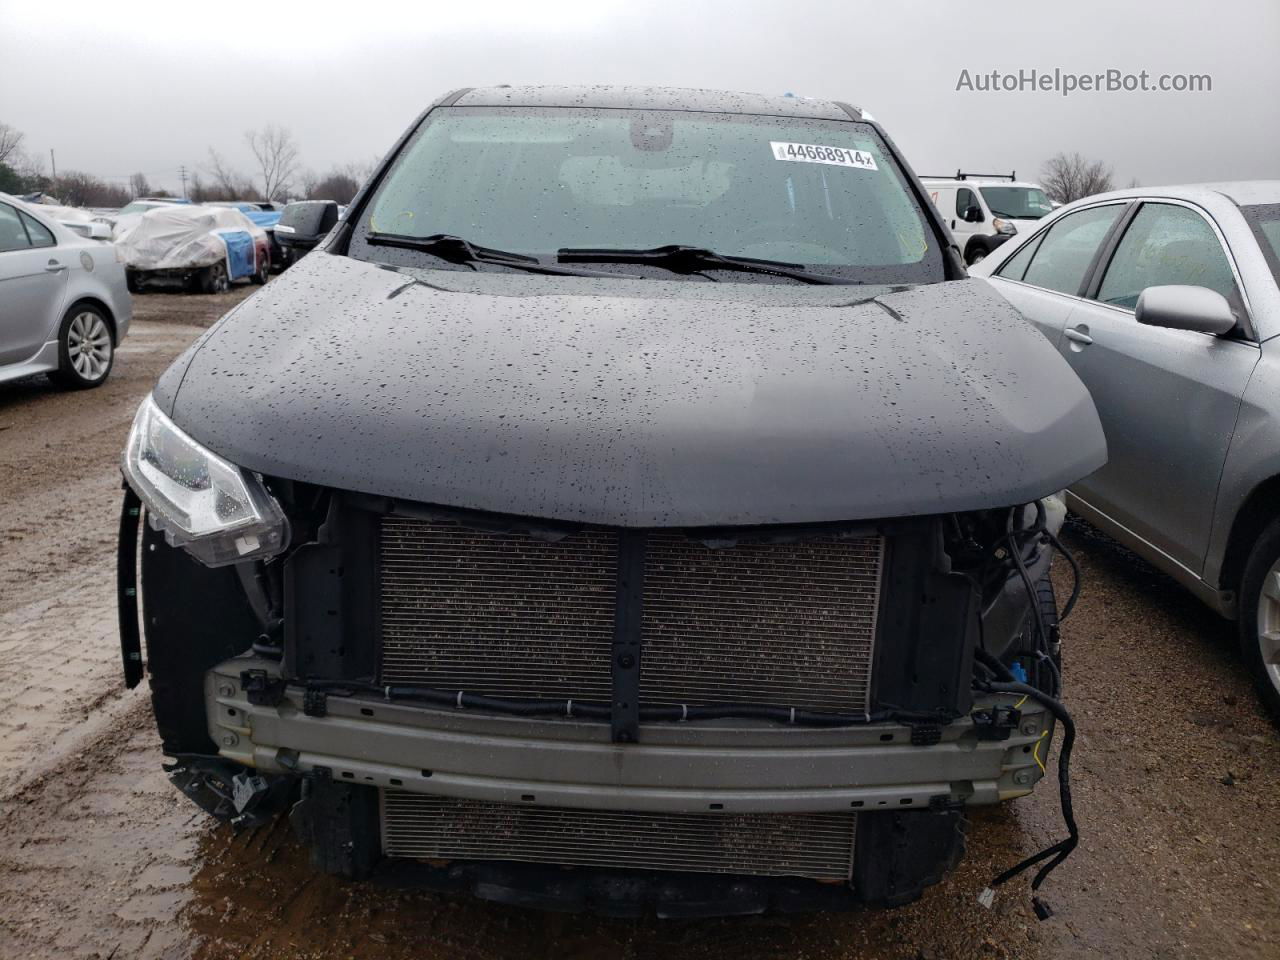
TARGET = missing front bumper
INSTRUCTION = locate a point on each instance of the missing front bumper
(728, 767)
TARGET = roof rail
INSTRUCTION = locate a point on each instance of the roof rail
(961, 175)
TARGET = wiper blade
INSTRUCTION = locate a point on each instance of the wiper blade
(680, 258)
(455, 249)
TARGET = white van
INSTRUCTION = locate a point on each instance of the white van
(984, 210)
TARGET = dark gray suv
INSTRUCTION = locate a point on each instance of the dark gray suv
(631, 483)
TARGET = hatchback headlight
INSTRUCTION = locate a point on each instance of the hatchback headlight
(218, 512)
(1004, 227)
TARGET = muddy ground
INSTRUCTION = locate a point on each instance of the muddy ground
(1176, 777)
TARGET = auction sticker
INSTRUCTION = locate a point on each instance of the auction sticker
(815, 153)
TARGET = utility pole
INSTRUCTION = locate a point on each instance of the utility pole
(182, 173)
(53, 163)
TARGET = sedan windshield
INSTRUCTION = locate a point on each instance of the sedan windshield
(582, 186)
(1017, 203)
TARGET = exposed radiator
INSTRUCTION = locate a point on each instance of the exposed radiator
(815, 845)
(509, 615)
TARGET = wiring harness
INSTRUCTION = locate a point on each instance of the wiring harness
(995, 677)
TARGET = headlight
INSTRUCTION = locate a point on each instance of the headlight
(1004, 226)
(219, 513)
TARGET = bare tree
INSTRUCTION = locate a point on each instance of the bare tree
(337, 185)
(138, 185)
(1069, 176)
(277, 155)
(77, 189)
(307, 180)
(227, 183)
(10, 141)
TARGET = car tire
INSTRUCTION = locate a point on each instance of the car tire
(1260, 617)
(86, 348)
(133, 282)
(214, 279)
(978, 257)
(264, 272)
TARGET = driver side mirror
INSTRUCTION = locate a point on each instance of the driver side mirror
(973, 214)
(99, 231)
(1181, 307)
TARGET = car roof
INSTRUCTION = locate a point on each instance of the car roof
(654, 98)
(1243, 193)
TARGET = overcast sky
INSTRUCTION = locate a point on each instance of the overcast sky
(146, 86)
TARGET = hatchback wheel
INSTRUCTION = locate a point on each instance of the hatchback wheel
(85, 350)
(1260, 617)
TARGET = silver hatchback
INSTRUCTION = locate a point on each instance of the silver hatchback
(64, 304)
(1165, 303)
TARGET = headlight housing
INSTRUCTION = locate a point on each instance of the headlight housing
(218, 512)
(1004, 227)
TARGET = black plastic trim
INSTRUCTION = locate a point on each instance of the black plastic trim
(627, 621)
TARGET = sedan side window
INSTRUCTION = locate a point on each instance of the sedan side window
(1016, 266)
(39, 234)
(1065, 253)
(12, 235)
(1164, 244)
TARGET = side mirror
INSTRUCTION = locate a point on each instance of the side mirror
(99, 231)
(973, 215)
(1181, 307)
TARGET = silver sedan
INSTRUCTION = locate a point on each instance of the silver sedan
(64, 305)
(1165, 301)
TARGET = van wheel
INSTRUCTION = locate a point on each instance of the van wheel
(214, 279)
(1260, 617)
(85, 349)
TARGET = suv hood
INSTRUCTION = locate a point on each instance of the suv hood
(638, 402)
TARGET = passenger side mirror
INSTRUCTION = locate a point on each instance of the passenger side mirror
(1181, 307)
(99, 231)
(973, 215)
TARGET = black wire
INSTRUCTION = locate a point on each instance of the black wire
(1062, 849)
(1075, 571)
(590, 710)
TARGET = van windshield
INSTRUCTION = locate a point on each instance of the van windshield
(1017, 203)
(825, 195)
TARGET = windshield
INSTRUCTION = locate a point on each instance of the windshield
(1017, 203)
(140, 207)
(825, 195)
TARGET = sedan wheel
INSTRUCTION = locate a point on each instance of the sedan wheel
(216, 280)
(85, 348)
(1268, 626)
(1260, 616)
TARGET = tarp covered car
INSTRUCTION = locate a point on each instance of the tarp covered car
(201, 248)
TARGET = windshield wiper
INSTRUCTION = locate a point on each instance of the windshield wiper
(680, 258)
(455, 249)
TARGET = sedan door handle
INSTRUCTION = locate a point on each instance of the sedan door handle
(1079, 334)
(53, 266)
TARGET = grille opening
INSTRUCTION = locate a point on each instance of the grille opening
(508, 615)
(814, 845)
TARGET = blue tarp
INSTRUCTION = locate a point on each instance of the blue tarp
(240, 255)
(263, 218)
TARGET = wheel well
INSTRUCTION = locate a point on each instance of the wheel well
(106, 312)
(977, 242)
(1259, 507)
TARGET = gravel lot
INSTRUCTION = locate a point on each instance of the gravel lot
(1177, 773)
